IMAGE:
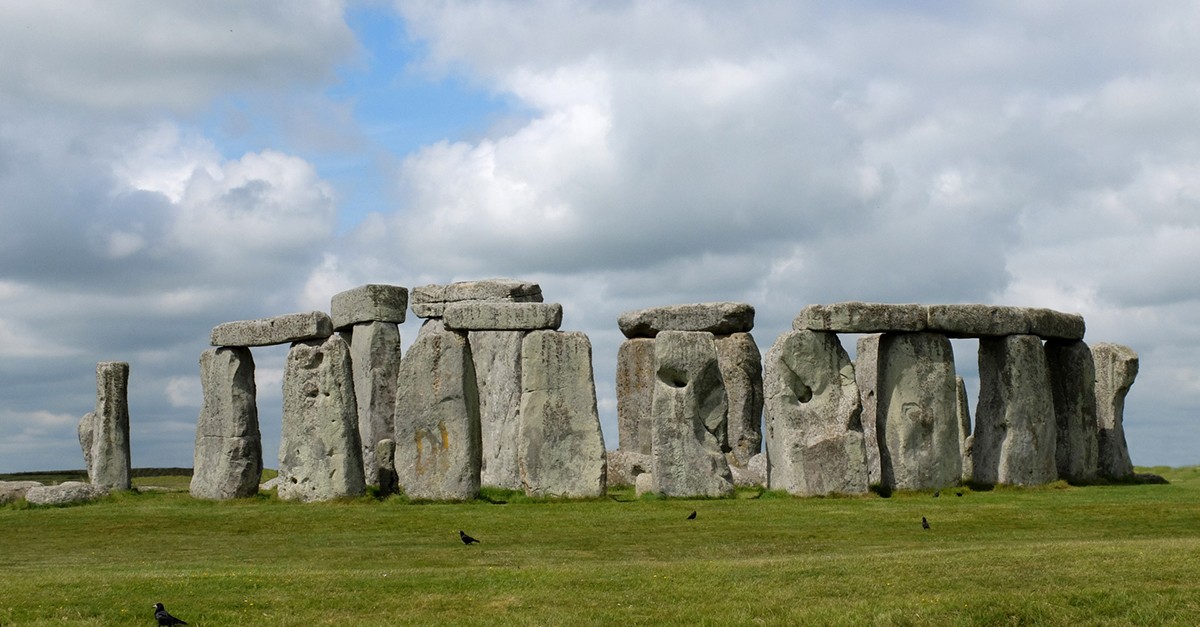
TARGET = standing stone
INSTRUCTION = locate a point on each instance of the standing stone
(741, 369)
(813, 416)
(635, 391)
(385, 467)
(866, 376)
(1073, 385)
(917, 422)
(437, 417)
(963, 410)
(227, 462)
(497, 360)
(104, 432)
(1116, 368)
(375, 359)
(689, 411)
(561, 448)
(1014, 439)
(320, 451)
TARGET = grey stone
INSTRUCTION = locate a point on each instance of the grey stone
(689, 411)
(963, 410)
(429, 301)
(497, 359)
(437, 418)
(720, 318)
(625, 466)
(813, 417)
(643, 484)
(65, 493)
(635, 390)
(741, 369)
(1054, 325)
(857, 317)
(1014, 438)
(561, 448)
(1073, 387)
(320, 451)
(368, 303)
(15, 490)
(87, 437)
(285, 329)
(227, 460)
(107, 430)
(502, 316)
(385, 467)
(866, 375)
(753, 474)
(269, 484)
(1116, 368)
(977, 320)
(917, 422)
(375, 359)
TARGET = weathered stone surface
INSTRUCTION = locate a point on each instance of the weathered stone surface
(497, 359)
(1116, 368)
(856, 317)
(718, 318)
(625, 466)
(977, 320)
(741, 369)
(65, 493)
(320, 451)
(106, 432)
(753, 475)
(689, 411)
(917, 423)
(385, 467)
(635, 390)
(285, 329)
(502, 316)
(1014, 439)
(368, 303)
(437, 418)
(866, 376)
(1054, 325)
(813, 417)
(643, 484)
(963, 410)
(1073, 388)
(561, 450)
(227, 460)
(429, 301)
(375, 359)
(15, 490)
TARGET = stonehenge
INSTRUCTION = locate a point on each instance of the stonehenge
(491, 393)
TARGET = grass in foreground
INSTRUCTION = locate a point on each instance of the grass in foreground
(1126, 554)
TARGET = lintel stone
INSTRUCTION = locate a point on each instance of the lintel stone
(285, 329)
(502, 316)
(429, 301)
(722, 318)
(369, 303)
(857, 317)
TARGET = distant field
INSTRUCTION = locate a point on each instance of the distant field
(1058, 555)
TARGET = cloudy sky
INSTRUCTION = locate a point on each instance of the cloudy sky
(168, 166)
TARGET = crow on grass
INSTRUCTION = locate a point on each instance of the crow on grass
(466, 538)
(692, 516)
(164, 617)
(924, 523)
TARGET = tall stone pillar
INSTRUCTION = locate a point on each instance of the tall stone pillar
(496, 356)
(635, 391)
(1116, 368)
(104, 432)
(741, 368)
(1073, 384)
(1015, 428)
(866, 376)
(227, 460)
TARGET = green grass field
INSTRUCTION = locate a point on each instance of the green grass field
(1058, 555)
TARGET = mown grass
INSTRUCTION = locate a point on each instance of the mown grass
(1124, 554)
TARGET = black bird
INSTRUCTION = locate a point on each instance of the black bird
(466, 538)
(937, 494)
(958, 493)
(692, 516)
(924, 523)
(164, 617)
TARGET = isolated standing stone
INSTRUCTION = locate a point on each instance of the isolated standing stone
(689, 411)
(1014, 439)
(741, 369)
(1116, 368)
(105, 431)
(561, 449)
(375, 359)
(635, 391)
(497, 359)
(963, 409)
(320, 451)
(917, 422)
(227, 461)
(716, 318)
(813, 417)
(866, 375)
(385, 467)
(437, 417)
(1073, 385)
